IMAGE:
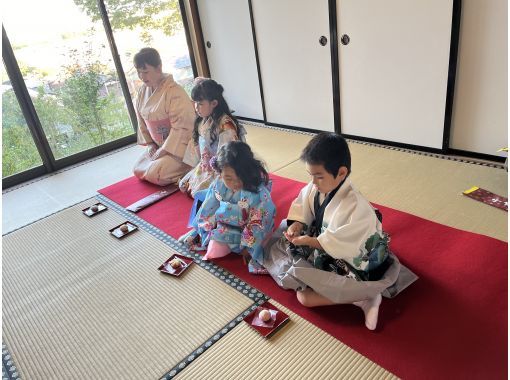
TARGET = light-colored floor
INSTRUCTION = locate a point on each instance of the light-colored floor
(38, 198)
(426, 186)
(423, 185)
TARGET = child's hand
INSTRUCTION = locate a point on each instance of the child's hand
(189, 239)
(185, 188)
(293, 231)
(307, 240)
(301, 240)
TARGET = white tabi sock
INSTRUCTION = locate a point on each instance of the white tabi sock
(370, 308)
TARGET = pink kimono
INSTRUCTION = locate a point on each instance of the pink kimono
(165, 117)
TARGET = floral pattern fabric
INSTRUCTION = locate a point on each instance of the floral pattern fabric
(242, 219)
(202, 175)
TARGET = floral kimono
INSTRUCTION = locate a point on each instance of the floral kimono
(165, 117)
(199, 156)
(242, 219)
(355, 262)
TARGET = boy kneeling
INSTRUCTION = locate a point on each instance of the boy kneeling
(334, 250)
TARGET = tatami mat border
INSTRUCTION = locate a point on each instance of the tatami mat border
(421, 153)
(215, 338)
(225, 276)
(222, 274)
(9, 371)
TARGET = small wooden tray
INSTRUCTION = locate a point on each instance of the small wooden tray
(100, 208)
(167, 268)
(267, 332)
(115, 231)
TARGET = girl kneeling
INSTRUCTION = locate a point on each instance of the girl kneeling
(237, 214)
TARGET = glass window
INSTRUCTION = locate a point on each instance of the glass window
(19, 152)
(68, 70)
(152, 23)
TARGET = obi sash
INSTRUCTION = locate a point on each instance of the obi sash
(158, 129)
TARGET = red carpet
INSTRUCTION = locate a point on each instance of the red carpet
(450, 324)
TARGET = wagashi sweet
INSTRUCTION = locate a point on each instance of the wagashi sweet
(175, 263)
(265, 315)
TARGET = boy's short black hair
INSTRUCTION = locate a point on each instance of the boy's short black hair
(146, 56)
(329, 150)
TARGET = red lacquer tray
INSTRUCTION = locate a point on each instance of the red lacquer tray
(280, 319)
(167, 268)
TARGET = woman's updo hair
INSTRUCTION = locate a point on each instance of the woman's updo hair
(239, 156)
(146, 56)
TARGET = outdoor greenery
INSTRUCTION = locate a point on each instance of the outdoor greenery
(79, 114)
(18, 150)
(149, 15)
(83, 107)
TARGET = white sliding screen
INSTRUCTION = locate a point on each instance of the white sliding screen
(394, 69)
(227, 32)
(295, 67)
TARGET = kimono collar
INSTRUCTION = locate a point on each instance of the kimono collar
(320, 208)
(167, 81)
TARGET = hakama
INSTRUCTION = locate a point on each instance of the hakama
(347, 237)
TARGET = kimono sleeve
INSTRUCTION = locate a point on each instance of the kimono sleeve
(205, 220)
(301, 208)
(143, 136)
(345, 240)
(192, 154)
(227, 134)
(232, 214)
(182, 116)
(259, 225)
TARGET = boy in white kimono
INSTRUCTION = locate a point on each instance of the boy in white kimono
(343, 257)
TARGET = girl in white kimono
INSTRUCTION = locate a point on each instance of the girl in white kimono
(165, 121)
(343, 257)
(214, 127)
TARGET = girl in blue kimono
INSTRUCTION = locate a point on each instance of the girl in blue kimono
(237, 214)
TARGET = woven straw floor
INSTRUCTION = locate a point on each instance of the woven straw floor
(299, 351)
(425, 186)
(79, 303)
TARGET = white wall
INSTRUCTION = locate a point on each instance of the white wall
(480, 108)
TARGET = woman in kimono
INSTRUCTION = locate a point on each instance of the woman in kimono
(333, 249)
(237, 214)
(214, 127)
(165, 121)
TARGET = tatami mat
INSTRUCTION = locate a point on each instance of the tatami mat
(425, 186)
(298, 351)
(275, 147)
(78, 303)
